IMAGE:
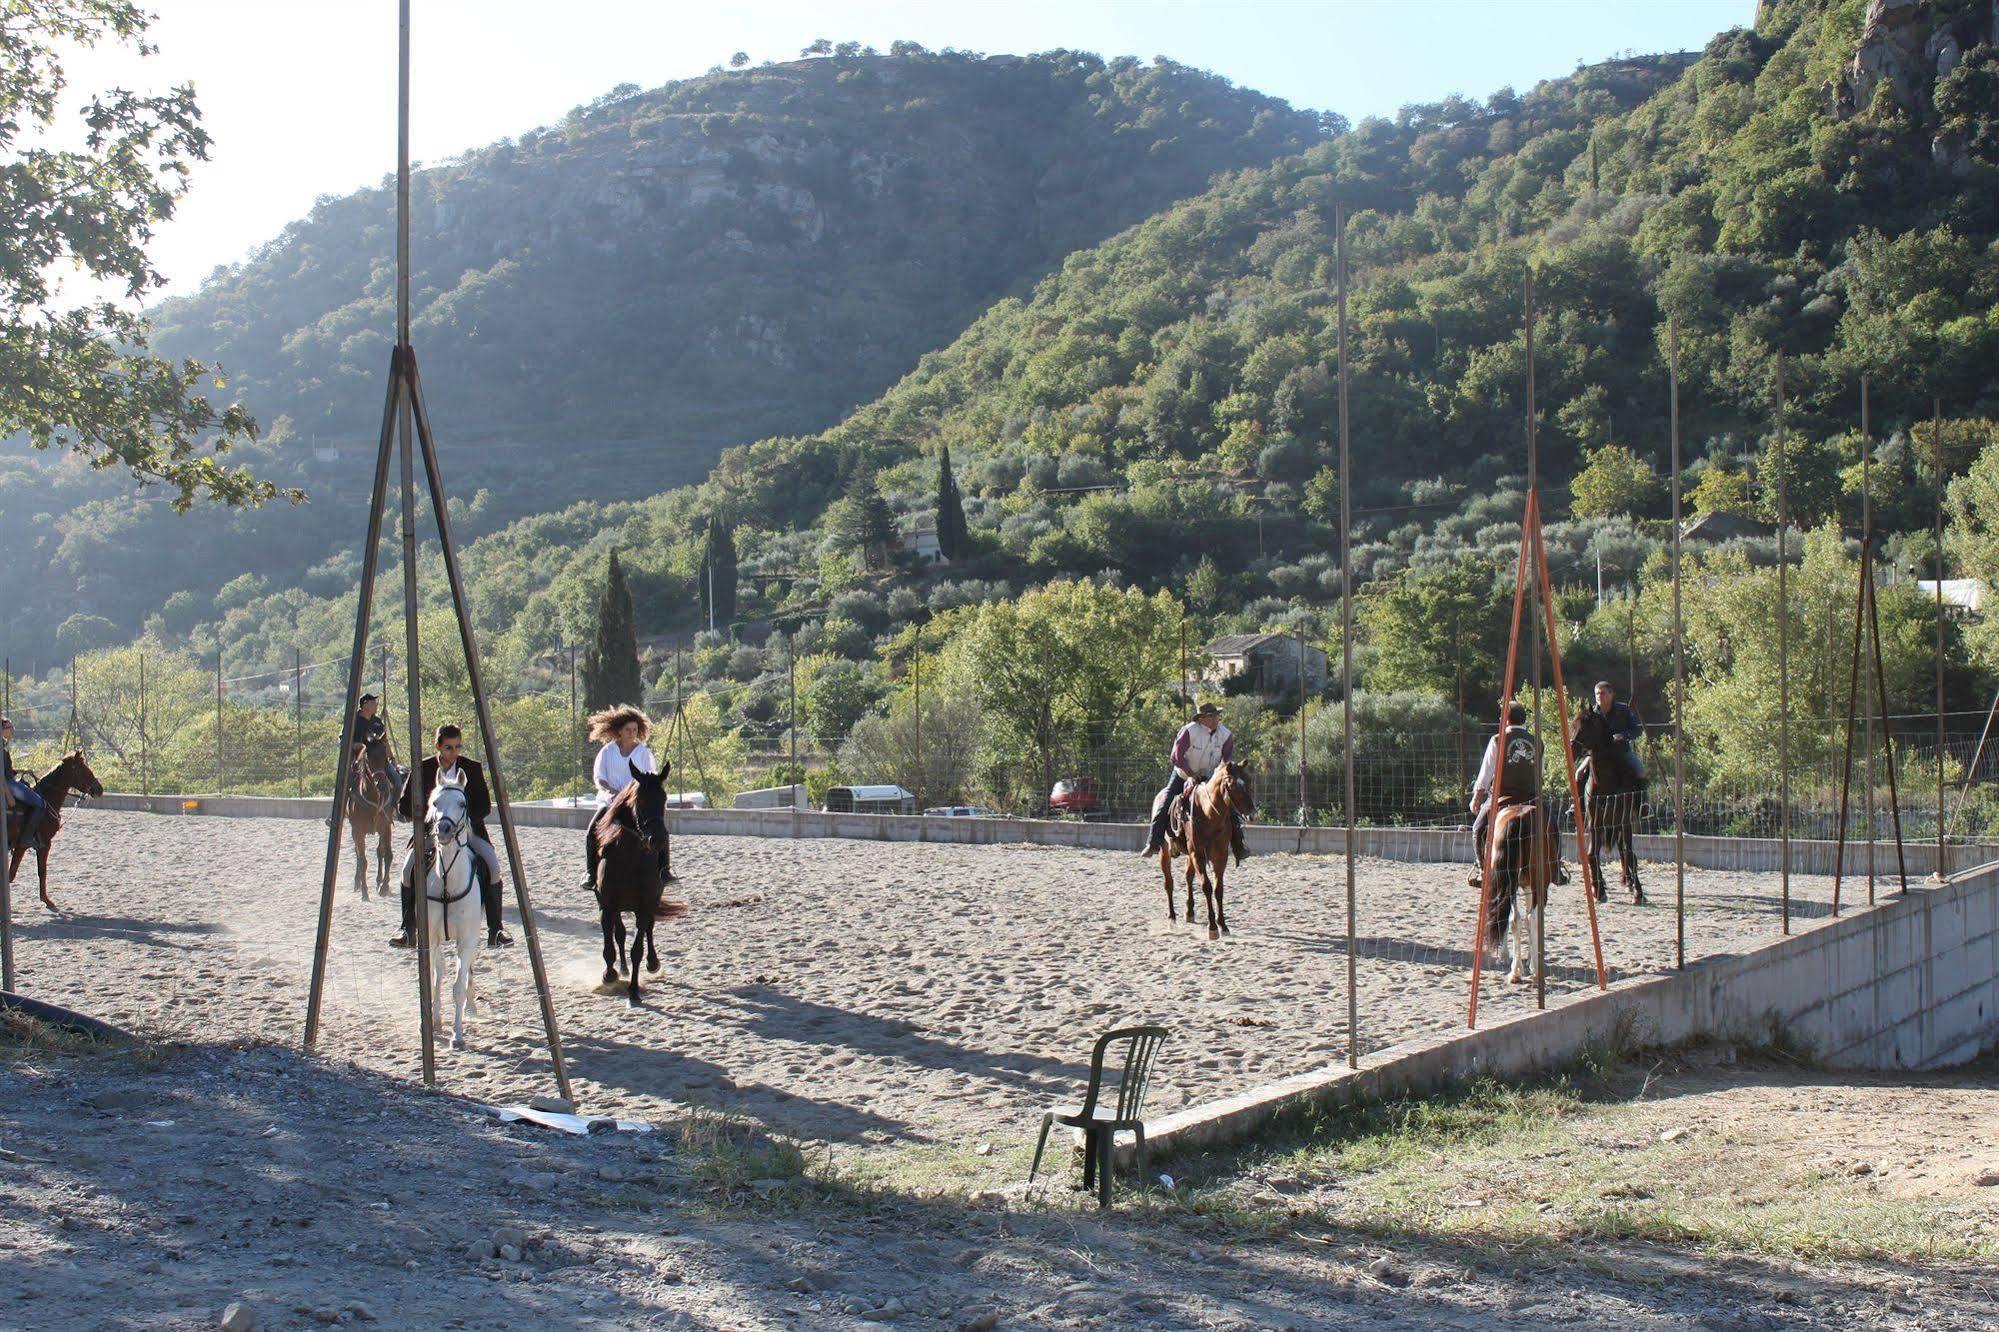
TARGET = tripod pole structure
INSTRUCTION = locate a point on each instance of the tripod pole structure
(1936, 467)
(530, 935)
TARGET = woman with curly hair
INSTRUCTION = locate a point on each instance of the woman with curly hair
(622, 729)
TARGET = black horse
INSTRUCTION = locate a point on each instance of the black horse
(1613, 794)
(630, 836)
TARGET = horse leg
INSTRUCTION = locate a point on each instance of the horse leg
(1221, 907)
(639, 925)
(1207, 892)
(42, 872)
(1192, 859)
(652, 948)
(360, 841)
(461, 987)
(1166, 872)
(1596, 863)
(611, 925)
(1629, 849)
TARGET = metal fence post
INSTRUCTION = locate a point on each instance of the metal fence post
(298, 718)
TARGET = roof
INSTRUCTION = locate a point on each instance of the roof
(1724, 527)
(1235, 645)
(890, 792)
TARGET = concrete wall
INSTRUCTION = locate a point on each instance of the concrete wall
(1388, 843)
(1911, 983)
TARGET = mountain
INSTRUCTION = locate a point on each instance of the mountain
(600, 306)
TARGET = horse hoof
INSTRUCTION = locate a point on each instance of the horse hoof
(632, 1001)
(1213, 934)
(610, 976)
(458, 1042)
(652, 968)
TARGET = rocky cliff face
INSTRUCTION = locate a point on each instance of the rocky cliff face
(1913, 52)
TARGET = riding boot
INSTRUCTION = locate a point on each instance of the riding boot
(489, 893)
(590, 855)
(1235, 838)
(407, 939)
(1157, 838)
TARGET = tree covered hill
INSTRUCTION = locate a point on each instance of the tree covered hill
(603, 304)
(1159, 410)
(1162, 406)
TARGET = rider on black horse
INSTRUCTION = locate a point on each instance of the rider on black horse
(1625, 729)
(1203, 745)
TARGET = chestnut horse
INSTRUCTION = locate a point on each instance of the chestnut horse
(371, 807)
(1204, 837)
(72, 774)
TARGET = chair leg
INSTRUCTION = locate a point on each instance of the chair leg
(1047, 1122)
(1144, 1175)
(1105, 1157)
(1090, 1158)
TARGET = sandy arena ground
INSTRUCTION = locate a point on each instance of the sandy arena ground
(851, 993)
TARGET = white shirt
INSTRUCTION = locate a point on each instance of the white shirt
(615, 769)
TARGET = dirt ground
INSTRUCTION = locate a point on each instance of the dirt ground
(858, 994)
(155, 1191)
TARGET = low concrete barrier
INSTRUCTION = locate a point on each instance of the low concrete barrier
(1386, 843)
(1911, 983)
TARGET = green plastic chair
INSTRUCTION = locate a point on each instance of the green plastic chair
(1102, 1123)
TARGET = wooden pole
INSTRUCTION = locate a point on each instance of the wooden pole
(1936, 467)
(1867, 573)
(791, 666)
(475, 672)
(1346, 632)
(1303, 793)
(145, 786)
(1783, 664)
(218, 712)
(916, 679)
(356, 664)
(298, 719)
(406, 444)
(575, 723)
(1679, 673)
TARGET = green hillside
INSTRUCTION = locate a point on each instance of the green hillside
(1158, 412)
(603, 304)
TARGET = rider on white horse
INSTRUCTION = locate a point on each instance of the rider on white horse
(447, 764)
(1202, 745)
(448, 888)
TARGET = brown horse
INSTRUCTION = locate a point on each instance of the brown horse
(1525, 858)
(72, 774)
(1203, 837)
(371, 807)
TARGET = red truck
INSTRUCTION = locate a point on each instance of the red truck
(1073, 796)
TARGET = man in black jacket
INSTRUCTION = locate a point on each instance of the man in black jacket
(415, 803)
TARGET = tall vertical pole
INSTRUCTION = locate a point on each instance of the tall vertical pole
(1303, 793)
(1539, 593)
(1186, 690)
(679, 722)
(575, 723)
(1867, 581)
(916, 677)
(1783, 661)
(1936, 466)
(1679, 674)
(1458, 657)
(406, 443)
(1346, 631)
(791, 667)
(6, 854)
(218, 711)
(145, 784)
(298, 718)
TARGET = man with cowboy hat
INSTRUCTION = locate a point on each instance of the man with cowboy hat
(1203, 745)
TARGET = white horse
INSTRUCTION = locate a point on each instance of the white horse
(452, 901)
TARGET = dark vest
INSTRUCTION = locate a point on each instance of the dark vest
(1519, 764)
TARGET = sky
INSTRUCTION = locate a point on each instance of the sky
(300, 94)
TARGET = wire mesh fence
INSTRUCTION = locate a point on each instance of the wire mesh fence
(167, 723)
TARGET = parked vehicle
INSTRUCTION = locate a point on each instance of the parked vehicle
(961, 812)
(869, 800)
(1073, 797)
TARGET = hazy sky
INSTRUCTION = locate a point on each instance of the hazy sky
(300, 94)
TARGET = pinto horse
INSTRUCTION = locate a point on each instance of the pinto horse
(72, 774)
(1203, 837)
(630, 836)
(1525, 858)
(1612, 794)
(371, 807)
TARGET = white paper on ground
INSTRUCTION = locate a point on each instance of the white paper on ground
(576, 1124)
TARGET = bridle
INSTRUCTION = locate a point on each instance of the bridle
(449, 833)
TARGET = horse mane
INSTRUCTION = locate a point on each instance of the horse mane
(611, 827)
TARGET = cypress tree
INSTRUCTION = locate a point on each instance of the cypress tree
(611, 664)
(718, 574)
(950, 508)
(861, 520)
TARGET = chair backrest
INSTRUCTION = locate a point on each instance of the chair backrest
(1140, 1044)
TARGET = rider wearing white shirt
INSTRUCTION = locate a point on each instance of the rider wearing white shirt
(623, 729)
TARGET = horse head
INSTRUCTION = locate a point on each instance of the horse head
(1236, 789)
(76, 775)
(649, 801)
(1591, 730)
(447, 812)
